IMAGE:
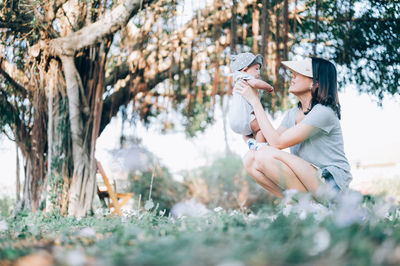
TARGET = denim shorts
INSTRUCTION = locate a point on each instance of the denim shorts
(327, 178)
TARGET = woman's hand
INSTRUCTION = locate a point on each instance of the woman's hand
(248, 92)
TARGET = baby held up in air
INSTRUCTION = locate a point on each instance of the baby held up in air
(246, 66)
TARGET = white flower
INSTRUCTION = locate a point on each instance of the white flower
(75, 257)
(218, 209)
(384, 251)
(189, 208)
(252, 217)
(349, 209)
(288, 195)
(326, 192)
(287, 210)
(321, 241)
(231, 263)
(87, 232)
(302, 214)
(320, 211)
(3, 226)
(382, 210)
(149, 205)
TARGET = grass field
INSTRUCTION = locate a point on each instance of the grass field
(354, 230)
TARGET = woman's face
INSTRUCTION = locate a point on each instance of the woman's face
(300, 84)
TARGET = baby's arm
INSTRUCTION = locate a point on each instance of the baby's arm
(260, 85)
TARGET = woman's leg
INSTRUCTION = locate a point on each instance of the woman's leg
(287, 169)
(259, 177)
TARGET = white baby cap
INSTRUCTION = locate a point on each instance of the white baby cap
(243, 60)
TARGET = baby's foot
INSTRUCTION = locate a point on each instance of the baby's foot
(252, 144)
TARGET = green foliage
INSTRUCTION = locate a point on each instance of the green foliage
(6, 204)
(227, 184)
(362, 36)
(198, 116)
(299, 232)
(6, 115)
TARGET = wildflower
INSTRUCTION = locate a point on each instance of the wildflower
(321, 240)
(218, 209)
(326, 193)
(289, 196)
(149, 205)
(3, 226)
(349, 209)
(75, 257)
(383, 252)
(231, 263)
(87, 232)
(287, 210)
(189, 208)
(382, 209)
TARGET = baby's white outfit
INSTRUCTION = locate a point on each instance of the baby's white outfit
(240, 111)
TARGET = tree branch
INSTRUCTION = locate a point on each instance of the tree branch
(95, 32)
(124, 95)
(20, 129)
(12, 78)
(15, 26)
(53, 8)
(118, 72)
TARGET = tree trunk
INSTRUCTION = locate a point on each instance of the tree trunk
(34, 152)
(265, 28)
(59, 141)
(50, 96)
(27, 197)
(233, 28)
(286, 22)
(225, 109)
(277, 56)
(315, 29)
(255, 27)
(83, 182)
(295, 18)
(285, 47)
(17, 181)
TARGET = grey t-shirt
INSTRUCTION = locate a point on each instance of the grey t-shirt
(325, 149)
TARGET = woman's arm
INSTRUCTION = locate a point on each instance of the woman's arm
(280, 139)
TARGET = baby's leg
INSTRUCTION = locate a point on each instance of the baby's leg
(259, 137)
(256, 131)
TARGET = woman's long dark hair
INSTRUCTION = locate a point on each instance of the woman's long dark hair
(324, 89)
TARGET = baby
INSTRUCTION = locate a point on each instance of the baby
(246, 66)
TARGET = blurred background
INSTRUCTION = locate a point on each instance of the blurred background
(165, 91)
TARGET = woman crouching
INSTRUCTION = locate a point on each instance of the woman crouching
(311, 129)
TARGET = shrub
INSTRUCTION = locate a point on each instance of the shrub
(225, 183)
(165, 190)
(6, 205)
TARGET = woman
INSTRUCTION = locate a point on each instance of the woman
(311, 129)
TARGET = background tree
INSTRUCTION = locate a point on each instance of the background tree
(362, 37)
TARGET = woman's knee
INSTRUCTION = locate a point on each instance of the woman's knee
(248, 160)
(264, 156)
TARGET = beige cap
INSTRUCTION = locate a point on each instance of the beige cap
(303, 67)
